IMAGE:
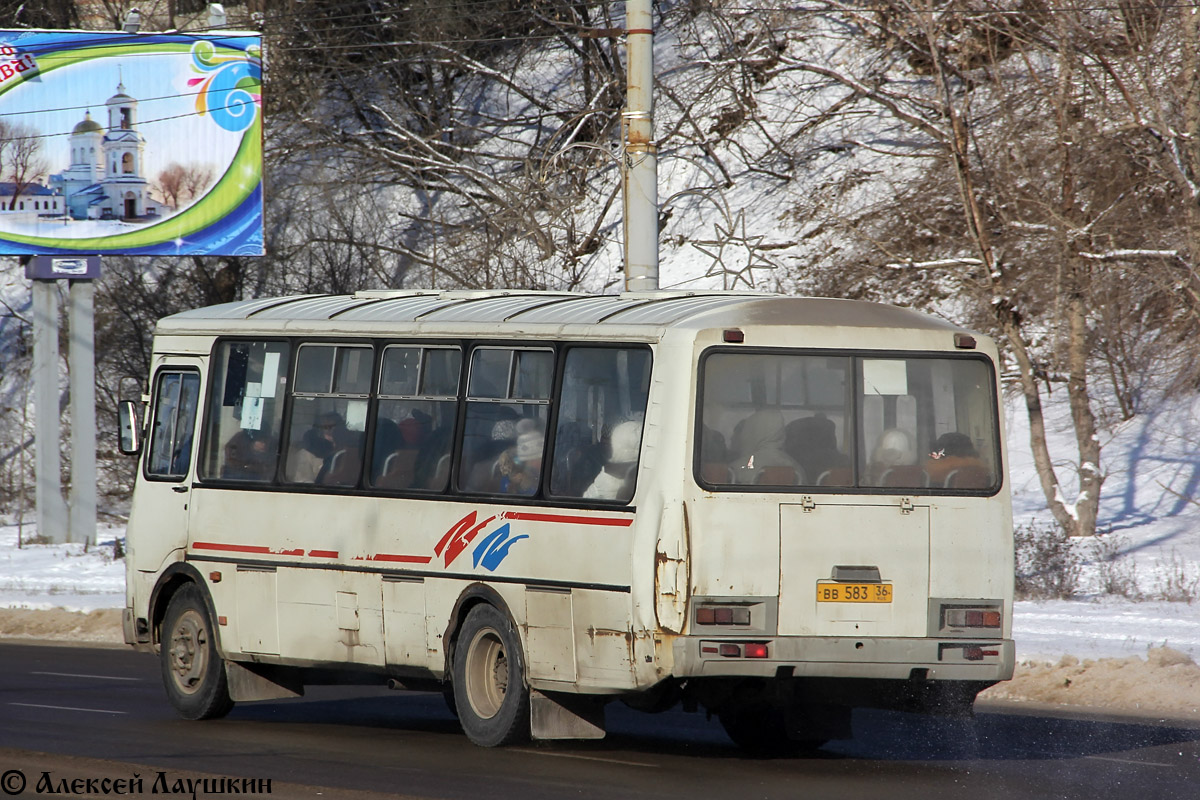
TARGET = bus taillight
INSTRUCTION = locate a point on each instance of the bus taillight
(973, 618)
(734, 649)
(755, 650)
(722, 615)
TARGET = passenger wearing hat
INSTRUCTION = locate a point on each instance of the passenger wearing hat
(519, 468)
(615, 480)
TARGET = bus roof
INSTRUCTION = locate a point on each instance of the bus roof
(648, 313)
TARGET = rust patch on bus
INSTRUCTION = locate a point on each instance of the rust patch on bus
(663, 563)
(594, 632)
(612, 633)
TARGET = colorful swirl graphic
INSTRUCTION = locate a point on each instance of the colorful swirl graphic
(232, 92)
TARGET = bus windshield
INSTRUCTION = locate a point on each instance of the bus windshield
(908, 422)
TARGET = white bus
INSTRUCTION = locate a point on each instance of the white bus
(771, 507)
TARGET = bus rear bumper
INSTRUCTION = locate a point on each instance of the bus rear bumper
(845, 657)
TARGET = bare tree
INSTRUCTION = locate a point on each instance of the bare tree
(181, 184)
(21, 161)
(490, 128)
(46, 14)
(1008, 113)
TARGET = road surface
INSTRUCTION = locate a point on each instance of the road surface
(69, 714)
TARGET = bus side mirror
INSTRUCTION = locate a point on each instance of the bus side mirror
(129, 428)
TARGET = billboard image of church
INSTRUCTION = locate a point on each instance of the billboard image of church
(134, 144)
(105, 179)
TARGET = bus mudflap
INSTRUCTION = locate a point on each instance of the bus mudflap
(555, 715)
(262, 682)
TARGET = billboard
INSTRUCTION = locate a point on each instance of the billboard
(130, 143)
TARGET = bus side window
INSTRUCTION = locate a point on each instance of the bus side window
(601, 410)
(329, 414)
(245, 411)
(414, 428)
(508, 403)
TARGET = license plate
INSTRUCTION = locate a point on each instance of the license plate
(854, 593)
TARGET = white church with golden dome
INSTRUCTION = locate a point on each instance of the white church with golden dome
(105, 180)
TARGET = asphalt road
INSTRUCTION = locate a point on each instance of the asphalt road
(71, 714)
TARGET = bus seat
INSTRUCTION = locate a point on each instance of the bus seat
(398, 469)
(905, 475)
(838, 476)
(343, 468)
(777, 476)
(971, 476)
(716, 472)
(440, 474)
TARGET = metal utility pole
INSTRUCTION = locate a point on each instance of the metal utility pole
(640, 157)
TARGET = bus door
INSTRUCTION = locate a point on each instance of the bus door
(168, 461)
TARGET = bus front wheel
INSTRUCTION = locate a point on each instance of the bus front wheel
(192, 669)
(489, 680)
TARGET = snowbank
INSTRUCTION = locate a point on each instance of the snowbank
(101, 626)
(1166, 683)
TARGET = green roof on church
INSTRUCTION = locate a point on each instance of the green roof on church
(88, 125)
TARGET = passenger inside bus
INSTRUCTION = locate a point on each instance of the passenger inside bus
(484, 455)
(398, 446)
(249, 456)
(812, 443)
(894, 461)
(954, 463)
(758, 454)
(307, 457)
(615, 480)
(327, 453)
(518, 469)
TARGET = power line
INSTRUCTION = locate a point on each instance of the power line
(90, 106)
(140, 122)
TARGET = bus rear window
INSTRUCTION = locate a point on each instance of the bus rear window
(797, 420)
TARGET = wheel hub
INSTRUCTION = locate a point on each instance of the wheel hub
(188, 652)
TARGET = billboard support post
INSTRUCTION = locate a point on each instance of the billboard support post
(81, 356)
(51, 511)
(76, 521)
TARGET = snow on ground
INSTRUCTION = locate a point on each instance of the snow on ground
(67, 576)
(1150, 529)
(1105, 628)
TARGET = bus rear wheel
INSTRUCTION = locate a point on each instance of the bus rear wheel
(192, 669)
(489, 680)
(761, 729)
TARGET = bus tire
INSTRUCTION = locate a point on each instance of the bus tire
(448, 696)
(489, 680)
(192, 669)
